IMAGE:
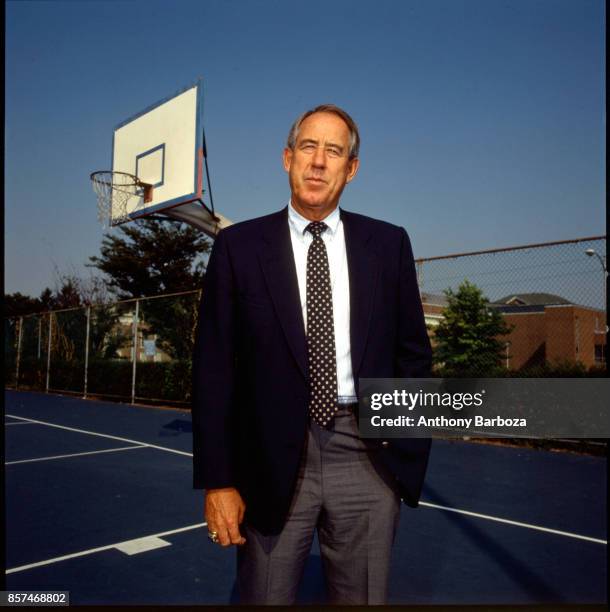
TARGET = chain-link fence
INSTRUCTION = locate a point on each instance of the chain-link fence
(552, 297)
(11, 342)
(132, 350)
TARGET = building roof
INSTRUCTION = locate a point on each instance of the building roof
(531, 299)
(434, 298)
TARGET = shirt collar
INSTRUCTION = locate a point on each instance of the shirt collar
(299, 222)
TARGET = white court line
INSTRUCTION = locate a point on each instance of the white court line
(107, 450)
(93, 433)
(91, 551)
(127, 543)
(137, 547)
(19, 423)
(515, 523)
(422, 503)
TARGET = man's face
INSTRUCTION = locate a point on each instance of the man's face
(319, 167)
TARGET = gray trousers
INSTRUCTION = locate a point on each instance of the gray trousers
(353, 504)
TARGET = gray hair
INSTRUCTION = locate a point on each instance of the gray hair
(354, 136)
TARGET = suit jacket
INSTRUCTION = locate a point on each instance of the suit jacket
(250, 378)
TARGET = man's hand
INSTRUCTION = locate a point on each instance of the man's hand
(224, 512)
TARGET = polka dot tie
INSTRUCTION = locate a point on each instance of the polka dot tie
(320, 330)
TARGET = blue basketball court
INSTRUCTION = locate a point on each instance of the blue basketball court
(99, 502)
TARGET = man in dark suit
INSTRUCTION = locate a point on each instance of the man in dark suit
(297, 306)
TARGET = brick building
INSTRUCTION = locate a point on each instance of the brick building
(433, 306)
(546, 328)
(549, 328)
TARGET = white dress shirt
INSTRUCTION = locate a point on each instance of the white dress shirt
(334, 240)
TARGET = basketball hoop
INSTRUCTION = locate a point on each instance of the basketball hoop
(114, 190)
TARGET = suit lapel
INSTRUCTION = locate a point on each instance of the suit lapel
(363, 269)
(277, 262)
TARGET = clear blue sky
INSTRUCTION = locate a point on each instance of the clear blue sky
(482, 121)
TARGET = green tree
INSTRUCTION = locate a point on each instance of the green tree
(47, 300)
(65, 296)
(71, 291)
(468, 338)
(17, 304)
(153, 257)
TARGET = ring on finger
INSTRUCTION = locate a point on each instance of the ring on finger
(213, 535)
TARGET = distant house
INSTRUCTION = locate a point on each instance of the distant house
(549, 328)
(147, 341)
(529, 300)
(433, 305)
(546, 328)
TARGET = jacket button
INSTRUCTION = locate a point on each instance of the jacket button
(385, 443)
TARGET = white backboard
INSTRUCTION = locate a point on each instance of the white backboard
(163, 146)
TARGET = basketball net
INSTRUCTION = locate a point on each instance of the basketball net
(114, 190)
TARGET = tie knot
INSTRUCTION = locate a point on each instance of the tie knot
(316, 228)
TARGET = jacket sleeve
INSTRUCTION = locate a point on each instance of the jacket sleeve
(214, 376)
(413, 353)
(408, 458)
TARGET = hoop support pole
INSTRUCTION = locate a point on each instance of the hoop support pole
(207, 171)
(135, 351)
(49, 351)
(18, 352)
(87, 353)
